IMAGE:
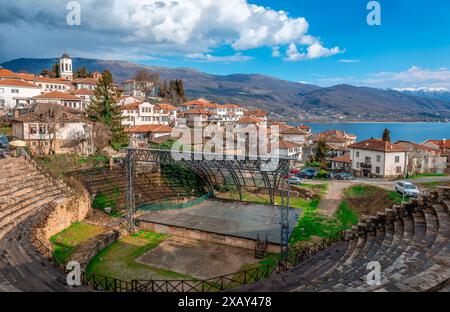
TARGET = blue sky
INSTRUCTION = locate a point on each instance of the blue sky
(410, 48)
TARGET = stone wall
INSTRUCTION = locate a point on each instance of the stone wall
(64, 213)
(204, 236)
(87, 251)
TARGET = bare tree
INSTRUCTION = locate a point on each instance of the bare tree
(146, 81)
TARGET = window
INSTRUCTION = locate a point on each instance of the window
(378, 158)
(357, 165)
(367, 160)
(397, 159)
(377, 170)
(398, 169)
(357, 154)
(33, 129)
(16, 91)
(2, 90)
(42, 129)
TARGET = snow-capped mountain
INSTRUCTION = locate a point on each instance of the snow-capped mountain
(428, 92)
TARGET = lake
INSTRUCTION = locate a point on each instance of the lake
(409, 131)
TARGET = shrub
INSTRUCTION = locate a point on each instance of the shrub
(322, 174)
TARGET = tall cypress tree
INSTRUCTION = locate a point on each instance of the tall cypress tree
(104, 109)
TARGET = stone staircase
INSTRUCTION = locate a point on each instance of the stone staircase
(409, 242)
(24, 191)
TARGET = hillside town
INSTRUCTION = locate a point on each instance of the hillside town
(52, 115)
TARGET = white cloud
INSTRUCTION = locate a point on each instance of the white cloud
(202, 57)
(276, 52)
(164, 27)
(315, 50)
(414, 77)
(349, 61)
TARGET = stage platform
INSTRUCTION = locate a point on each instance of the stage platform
(226, 218)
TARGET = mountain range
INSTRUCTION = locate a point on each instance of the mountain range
(286, 100)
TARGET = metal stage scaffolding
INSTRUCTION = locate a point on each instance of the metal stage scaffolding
(215, 170)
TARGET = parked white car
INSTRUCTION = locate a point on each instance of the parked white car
(407, 188)
(294, 180)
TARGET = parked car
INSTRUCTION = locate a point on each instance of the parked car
(307, 173)
(294, 171)
(4, 142)
(294, 180)
(331, 175)
(407, 188)
(345, 176)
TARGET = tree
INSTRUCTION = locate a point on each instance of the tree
(45, 73)
(82, 72)
(321, 151)
(56, 71)
(145, 81)
(387, 135)
(104, 108)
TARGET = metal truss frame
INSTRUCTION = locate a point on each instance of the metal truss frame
(217, 169)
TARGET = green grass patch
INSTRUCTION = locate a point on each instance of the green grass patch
(360, 190)
(66, 242)
(322, 188)
(426, 175)
(102, 201)
(346, 216)
(118, 259)
(395, 197)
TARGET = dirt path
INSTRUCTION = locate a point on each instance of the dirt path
(332, 199)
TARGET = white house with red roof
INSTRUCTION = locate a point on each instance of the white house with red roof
(14, 92)
(138, 113)
(141, 135)
(61, 98)
(378, 158)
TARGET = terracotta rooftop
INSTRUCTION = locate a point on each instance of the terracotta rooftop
(167, 107)
(378, 145)
(17, 83)
(131, 106)
(342, 159)
(196, 111)
(56, 95)
(149, 128)
(89, 81)
(292, 131)
(304, 127)
(283, 144)
(250, 120)
(83, 92)
(439, 143)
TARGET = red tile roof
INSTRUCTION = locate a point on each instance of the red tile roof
(196, 111)
(56, 95)
(83, 92)
(149, 128)
(440, 143)
(292, 131)
(304, 127)
(250, 119)
(229, 106)
(87, 81)
(283, 144)
(342, 159)
(17, 83)
(131, 106)
(378, 145)
(167, 107)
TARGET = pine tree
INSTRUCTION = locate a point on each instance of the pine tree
(104, 109)
(387, 135)
(321, 151)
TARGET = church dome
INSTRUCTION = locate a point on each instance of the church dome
(66, 56)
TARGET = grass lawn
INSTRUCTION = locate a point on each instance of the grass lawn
(313, 224)
(118, 259)
(426, 175)
(66, 242)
